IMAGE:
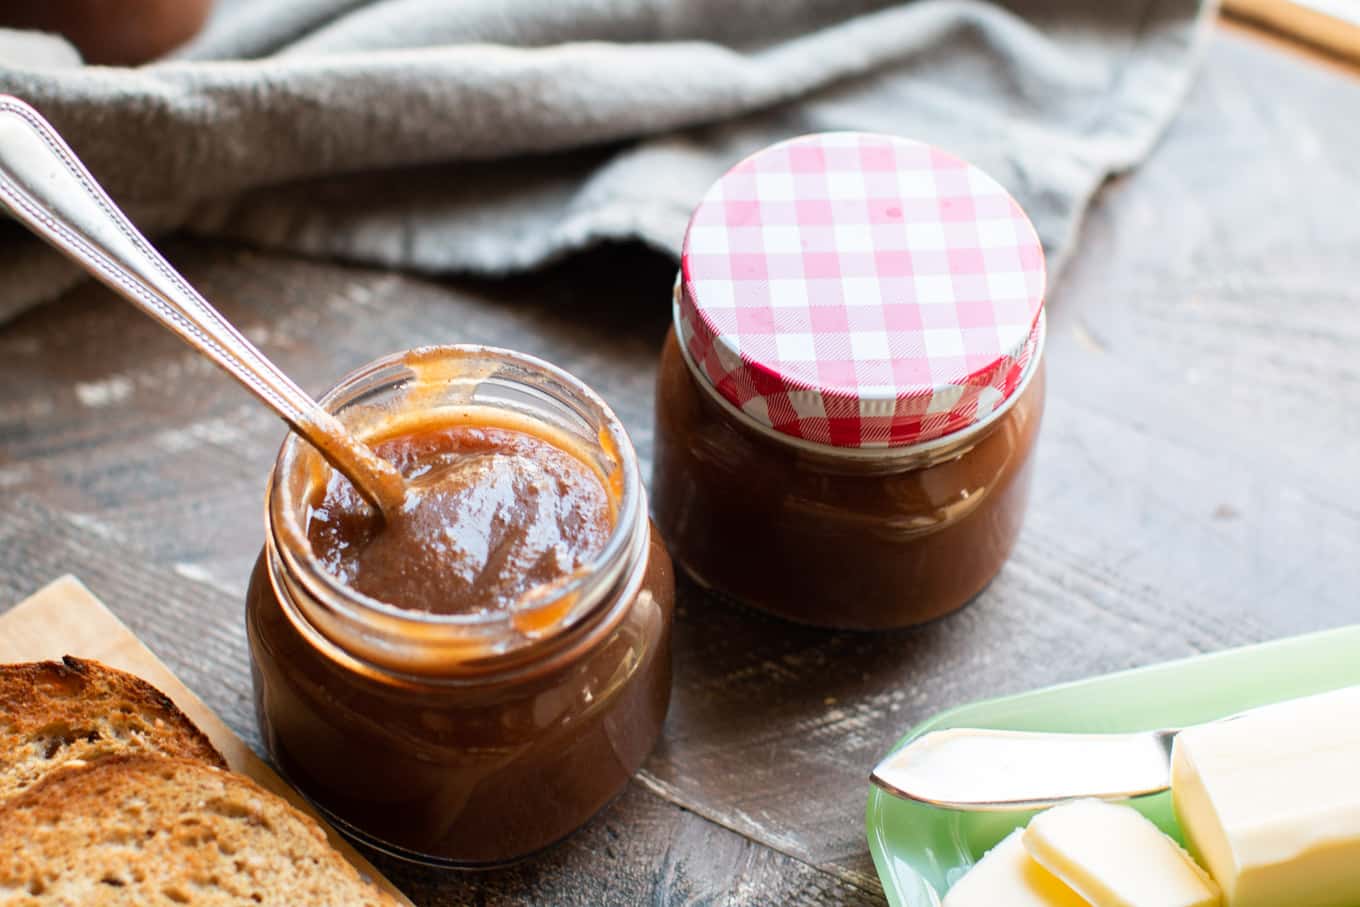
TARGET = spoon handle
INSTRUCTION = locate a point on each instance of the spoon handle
(49, 190)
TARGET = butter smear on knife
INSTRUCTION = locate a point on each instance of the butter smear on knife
(1270, 801)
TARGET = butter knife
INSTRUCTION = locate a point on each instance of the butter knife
(977, 769)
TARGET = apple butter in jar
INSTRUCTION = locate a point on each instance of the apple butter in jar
(472, 679)
(850, 394)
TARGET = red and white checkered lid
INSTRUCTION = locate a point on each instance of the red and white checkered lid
(860, 290)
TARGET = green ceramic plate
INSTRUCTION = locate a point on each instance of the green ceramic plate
(920, 850)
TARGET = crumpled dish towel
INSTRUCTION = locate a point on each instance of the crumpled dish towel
(491, 136)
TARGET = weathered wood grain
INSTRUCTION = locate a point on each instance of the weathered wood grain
(645, 851)
(1196, 483)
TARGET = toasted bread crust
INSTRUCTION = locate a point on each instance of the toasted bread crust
(152, 829)
(53, 713)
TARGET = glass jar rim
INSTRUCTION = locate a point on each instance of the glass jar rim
(354, 606)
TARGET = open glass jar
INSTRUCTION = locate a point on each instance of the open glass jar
(462, 739)
(849, 398)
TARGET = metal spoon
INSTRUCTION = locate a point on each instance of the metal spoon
(47, 189)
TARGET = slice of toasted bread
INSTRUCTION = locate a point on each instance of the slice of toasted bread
(56, 712)
(131, 830)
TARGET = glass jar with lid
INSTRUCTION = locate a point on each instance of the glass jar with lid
(453, 734)
(850, 395)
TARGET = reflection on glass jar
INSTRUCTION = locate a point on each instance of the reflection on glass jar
(462, 737)
(849, 400)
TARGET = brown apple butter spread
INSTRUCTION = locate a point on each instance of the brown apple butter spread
(492, 513)
(474, 680)
(858, 544)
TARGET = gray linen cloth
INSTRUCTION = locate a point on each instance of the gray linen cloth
(491, 136)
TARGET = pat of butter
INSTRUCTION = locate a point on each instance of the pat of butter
(1270, 801)
(1114, 857)
(1007, 876)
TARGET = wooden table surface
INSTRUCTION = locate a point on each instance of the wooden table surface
(1197, 485)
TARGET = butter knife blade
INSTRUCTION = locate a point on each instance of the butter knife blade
(977, 769)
